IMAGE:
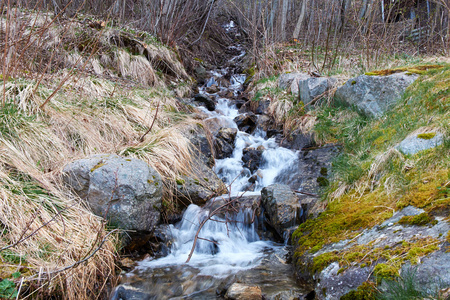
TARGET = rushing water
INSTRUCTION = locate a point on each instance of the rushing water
(228, 247)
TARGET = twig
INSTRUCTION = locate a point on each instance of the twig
(308, 194)
(86, 258)
(153, 122)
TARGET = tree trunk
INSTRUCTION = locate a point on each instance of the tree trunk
(300, 20)
(284, 11)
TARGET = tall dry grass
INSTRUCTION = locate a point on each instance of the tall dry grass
(69, 91)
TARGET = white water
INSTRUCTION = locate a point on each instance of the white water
(236, 245)
(228, 243)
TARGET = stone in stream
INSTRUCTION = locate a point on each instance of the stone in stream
(240, 291)
(252, 158)
(127, 191)
(374, 95)
(282, 207)
(206, 101)
(212, 89)
(224, 142)
(246, 122)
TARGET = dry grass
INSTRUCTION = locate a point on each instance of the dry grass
(100, 103)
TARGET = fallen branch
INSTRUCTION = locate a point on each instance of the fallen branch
(141, 139)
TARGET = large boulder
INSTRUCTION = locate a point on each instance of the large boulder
(313, 87)
(126, 191)
(337, 279)
(224, 142)
(374, 95)
(282, 207)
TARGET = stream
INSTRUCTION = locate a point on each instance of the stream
(232, 246)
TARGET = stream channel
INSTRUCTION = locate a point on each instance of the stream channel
(232, 248)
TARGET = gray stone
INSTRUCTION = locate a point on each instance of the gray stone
(282, 207)
(313, 87)
(246, 122)
(224, 142)
(374, 95)
(126, 191)
(200, 186)
(332, 285)
(413, 144)
(432, 274)
(291, 80)
(239, 291)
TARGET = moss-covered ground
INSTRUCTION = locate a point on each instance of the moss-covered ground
(371, 178)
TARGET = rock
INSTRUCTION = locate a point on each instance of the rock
(240, 291)
(125, 190)
(252, 158)
(246, 122)
(264, 122)
(206, 101)
(212, 89)
(128, 292)
(291, 80)
(199, 187)
(282, 207)
(224, 142)
(414, 143)
(429, 272)
(299, 141)
(200, 74)
(214, 124)
(313, 87)
(374, 95)
(199, 139)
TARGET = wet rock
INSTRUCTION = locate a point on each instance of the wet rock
(282, 207)
(374, 95)
(291, 80)
(240, 291)
(126, 292)
(224, 142)
(313, 87)
(264, 122)
(299, 141)
(199, 187)
(203, 99)
(414, 143)
(246, 122)
(212, 89)
(252, 158)
(127, 191)
(199, 139)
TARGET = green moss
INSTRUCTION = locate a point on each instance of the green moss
(180, 181)
(366, 291)
(323, 171)
(99, 165)
(320, 262)
(421, 69)
(385, 271)
(418, 220)
(427, 136)
(322, 181)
